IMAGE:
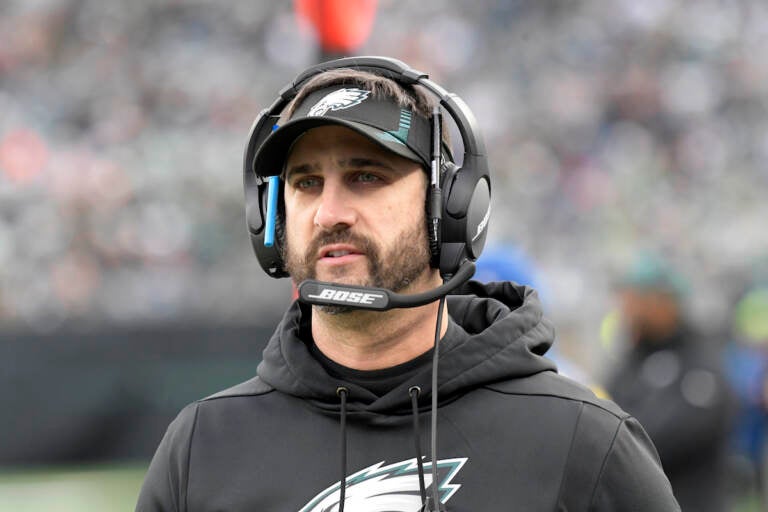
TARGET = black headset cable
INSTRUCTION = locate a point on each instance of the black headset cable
(435, 359)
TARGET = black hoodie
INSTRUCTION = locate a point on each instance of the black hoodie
(512, 434)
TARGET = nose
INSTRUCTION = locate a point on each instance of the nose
(335, 209)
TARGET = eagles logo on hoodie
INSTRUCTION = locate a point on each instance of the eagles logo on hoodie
(392, 487)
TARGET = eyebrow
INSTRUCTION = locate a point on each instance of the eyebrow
(357, 162)
(299, 169)
(365, 162)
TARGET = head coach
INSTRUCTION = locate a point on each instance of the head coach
(393, 382)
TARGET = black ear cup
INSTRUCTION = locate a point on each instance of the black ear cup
(466, 210)
(270, 257)
(465, 190)
(256, 190)
(478, 215)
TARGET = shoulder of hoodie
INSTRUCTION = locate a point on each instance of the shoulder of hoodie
(546, 383)
(251, 387)
(553, 385)
(182, 428)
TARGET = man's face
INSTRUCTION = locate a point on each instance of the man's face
(648, 314)
(354, 213)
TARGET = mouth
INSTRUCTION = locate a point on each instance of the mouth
(338, 252)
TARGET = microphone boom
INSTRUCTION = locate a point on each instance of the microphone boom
(321, 293)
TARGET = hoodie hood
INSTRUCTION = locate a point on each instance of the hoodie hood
(506, 337)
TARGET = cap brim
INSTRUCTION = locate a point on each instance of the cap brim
(271, 156)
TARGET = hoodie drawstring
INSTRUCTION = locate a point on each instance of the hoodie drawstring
(415, 391)
(432, 503)
(342, 392)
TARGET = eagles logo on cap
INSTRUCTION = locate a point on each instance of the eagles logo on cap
(338, 100)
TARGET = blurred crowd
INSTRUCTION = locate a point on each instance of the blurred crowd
(611, 127)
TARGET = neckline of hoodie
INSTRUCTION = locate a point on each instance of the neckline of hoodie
(380, 382)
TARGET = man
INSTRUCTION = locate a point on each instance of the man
(335, 416)
(672, 381)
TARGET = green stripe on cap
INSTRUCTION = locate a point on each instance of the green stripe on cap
(401, 135)
(404, 126)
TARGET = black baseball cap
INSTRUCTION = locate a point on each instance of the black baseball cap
(381, 119)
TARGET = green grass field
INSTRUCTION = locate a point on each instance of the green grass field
(112, 488)
(74, 489)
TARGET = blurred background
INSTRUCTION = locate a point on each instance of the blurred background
(128, 287)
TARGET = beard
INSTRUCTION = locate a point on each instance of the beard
(395, 268)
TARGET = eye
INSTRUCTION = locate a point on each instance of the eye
(306, 182)
(366, 177)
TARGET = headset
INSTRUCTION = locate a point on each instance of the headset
(458, 199)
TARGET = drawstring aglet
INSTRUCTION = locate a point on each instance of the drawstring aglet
(429, 507)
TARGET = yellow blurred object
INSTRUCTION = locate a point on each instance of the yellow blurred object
(609, 329)
(751, 316)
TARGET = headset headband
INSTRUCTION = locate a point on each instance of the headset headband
(398, 71)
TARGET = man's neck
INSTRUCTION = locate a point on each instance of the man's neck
(372, 340)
